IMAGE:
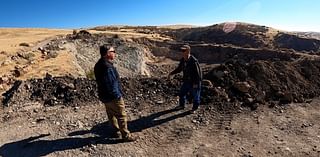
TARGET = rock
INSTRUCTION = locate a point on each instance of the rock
(249, 100)
(17, 72)
(242, 86)
(287, 149)
(52, 54)
(129, 40)
(79, 124)
(4, 80)
(6, 62)
(254, 106)
(219, 74)
(48, 76)
(260, 96)
(69, 85)
(14, 58)
(160, 102)
(308, 100)
(207, 83)
(42, 50)
(40, 119)
(286, 98)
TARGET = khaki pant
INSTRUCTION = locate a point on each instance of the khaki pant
(117, 116)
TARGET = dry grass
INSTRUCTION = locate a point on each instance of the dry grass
(10, 38)
(62, 65)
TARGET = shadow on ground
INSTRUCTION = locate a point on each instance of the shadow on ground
(34, 146)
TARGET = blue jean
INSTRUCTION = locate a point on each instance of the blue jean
(185, 89)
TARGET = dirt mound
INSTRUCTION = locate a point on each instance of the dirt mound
(248, 36)
(51, 91)
(257, 82)
(85, 48)
(217, 54)
(70, 91)
(77, 91)
(297, 43)
(235, 82)
(242, 35)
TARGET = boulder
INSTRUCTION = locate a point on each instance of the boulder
(242, 86)
(207, 83)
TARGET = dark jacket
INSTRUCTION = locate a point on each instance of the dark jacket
(107, 77)
(191, 70)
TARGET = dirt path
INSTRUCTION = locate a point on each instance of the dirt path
(293, 130)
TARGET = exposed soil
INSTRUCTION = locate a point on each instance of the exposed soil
(291, 130)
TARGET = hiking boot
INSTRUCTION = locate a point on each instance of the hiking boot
(129, 139)
(194, 110)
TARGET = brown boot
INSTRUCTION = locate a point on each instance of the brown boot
(129, 139)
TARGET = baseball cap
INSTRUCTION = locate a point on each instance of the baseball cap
(185, 47)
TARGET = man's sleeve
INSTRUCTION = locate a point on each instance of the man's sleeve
(178, 69)
(198, 72)
(112, 83)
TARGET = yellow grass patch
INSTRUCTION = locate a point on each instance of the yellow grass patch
(10, 38)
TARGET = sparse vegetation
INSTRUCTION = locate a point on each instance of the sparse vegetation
(26, 55)
(90, 75)
(52, 54)
(116, 36)
(24, 44)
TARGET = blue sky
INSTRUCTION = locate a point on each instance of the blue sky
(300, 15)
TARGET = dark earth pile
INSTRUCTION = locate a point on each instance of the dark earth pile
(235, 82)
(80, 91)
(262, 81)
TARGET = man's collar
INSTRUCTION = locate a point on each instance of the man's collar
(107, 60)
(187, 58)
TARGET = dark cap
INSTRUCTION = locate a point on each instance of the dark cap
(185, 47)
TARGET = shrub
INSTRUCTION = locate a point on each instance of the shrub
(90, 75)
(24, 44)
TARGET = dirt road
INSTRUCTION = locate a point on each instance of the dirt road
(291, 130)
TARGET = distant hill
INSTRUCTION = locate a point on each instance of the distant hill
(315, 35)
(251, 36)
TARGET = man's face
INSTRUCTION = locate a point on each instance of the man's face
(185, 53)
(111, 54)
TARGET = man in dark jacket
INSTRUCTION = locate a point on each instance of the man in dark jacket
(192, 76)
(110, 92)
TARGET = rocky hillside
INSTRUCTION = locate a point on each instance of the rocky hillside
(249, 35)
(315, 35)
